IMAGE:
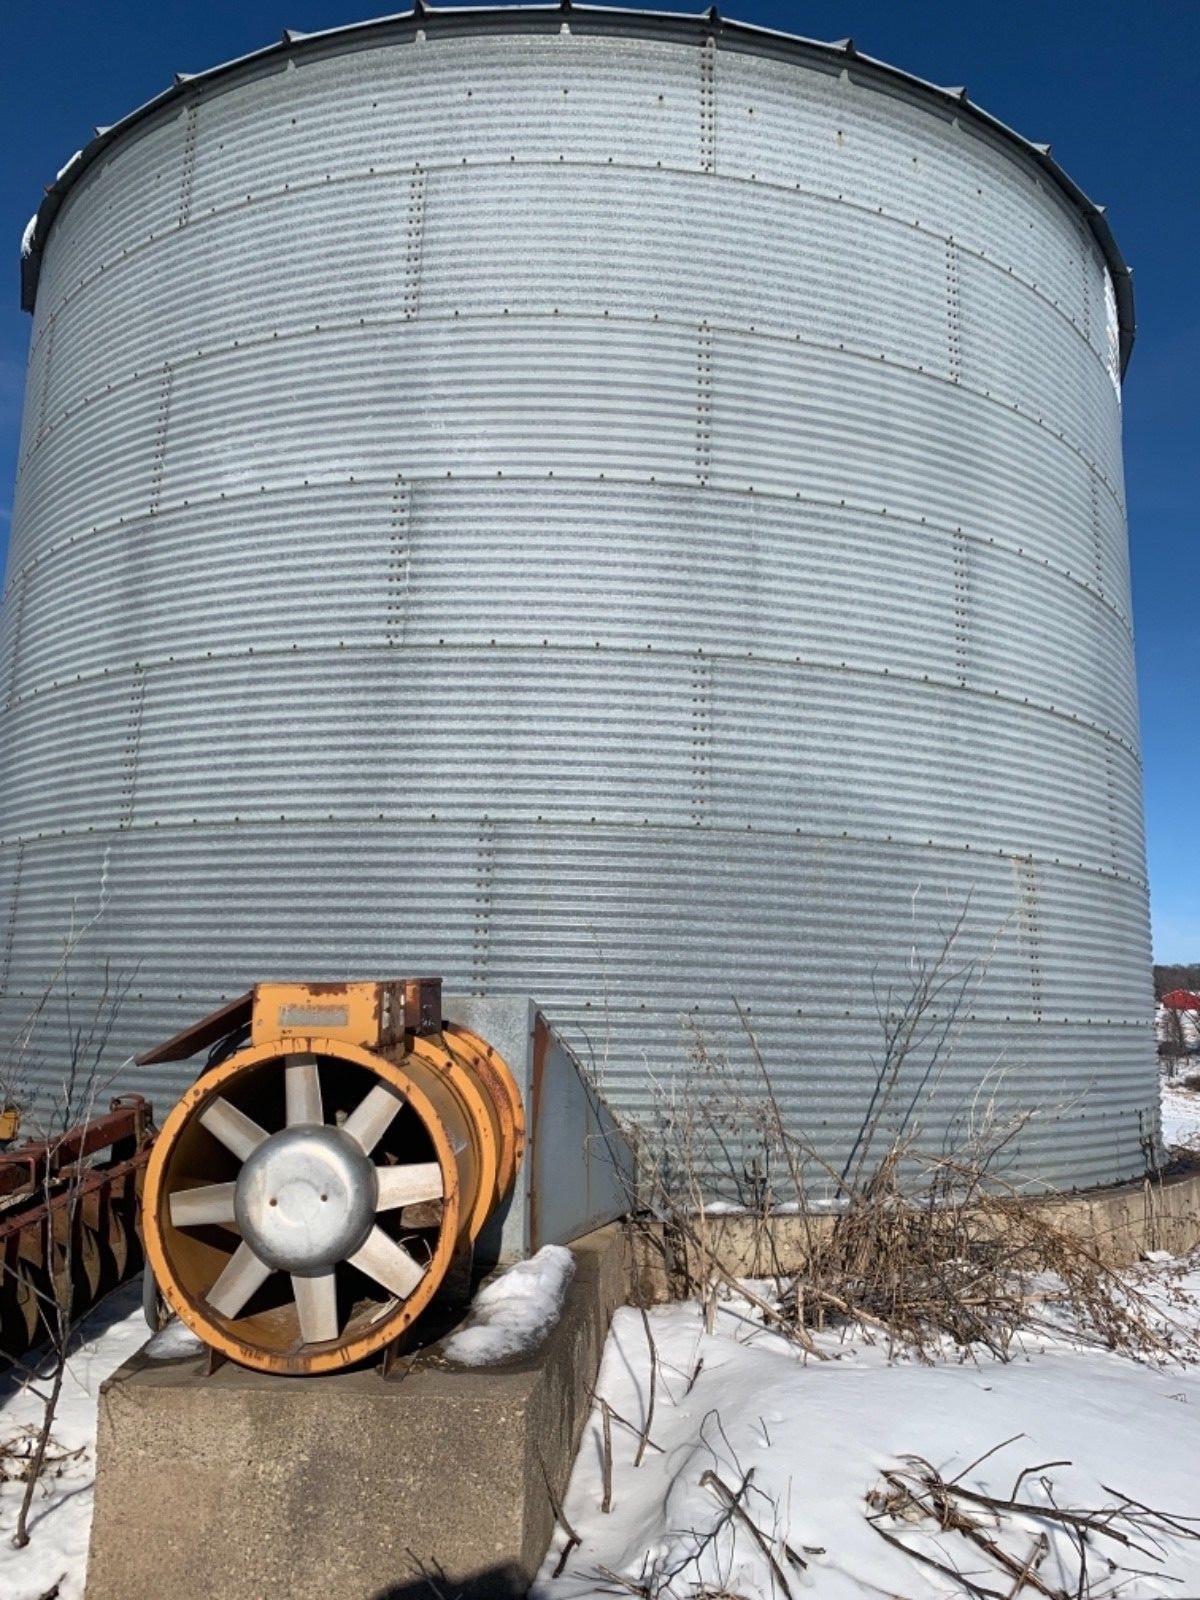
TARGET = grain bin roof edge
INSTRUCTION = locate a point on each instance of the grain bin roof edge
(646, 24)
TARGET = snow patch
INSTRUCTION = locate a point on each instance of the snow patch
(175, 1342)
(27, 236)
(516, 1311)
(63, 170)
(61, 1520)
(1180, 1115)
(805, 1441)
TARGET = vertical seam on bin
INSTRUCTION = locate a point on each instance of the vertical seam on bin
(1031, 933)
(1097, 534)
(187, 173)
(18, 621)
(399, 575)
(45, 394)
(708, 105)
(702, 736)
(162, 423)
(953, 312)
(1110, 785)
(704, 391)
(485, 873)
(414, 243)
(133, 744)
(10, 933)
(962, 605)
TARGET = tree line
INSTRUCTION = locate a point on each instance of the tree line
(1176, 977)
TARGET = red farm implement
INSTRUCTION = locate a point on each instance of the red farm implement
(69, 1229)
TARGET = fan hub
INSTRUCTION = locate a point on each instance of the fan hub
(306, 1198)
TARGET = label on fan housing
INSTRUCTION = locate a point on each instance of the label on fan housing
(319, 1017)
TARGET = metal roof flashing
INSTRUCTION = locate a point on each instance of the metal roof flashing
(841, 55)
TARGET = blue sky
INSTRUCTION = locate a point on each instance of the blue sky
(1109, 83)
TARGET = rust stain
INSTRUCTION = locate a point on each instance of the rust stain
(541, 1045)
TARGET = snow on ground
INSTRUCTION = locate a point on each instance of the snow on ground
(1181, 1110)
(515, 1311)
(817, 1437)
(809, 1440)
(61, 1516)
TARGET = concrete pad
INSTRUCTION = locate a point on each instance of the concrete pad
(1121, 1222)
(242, 1485)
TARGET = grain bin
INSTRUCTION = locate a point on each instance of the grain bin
(616, 507)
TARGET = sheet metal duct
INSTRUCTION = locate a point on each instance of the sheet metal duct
(627, 509)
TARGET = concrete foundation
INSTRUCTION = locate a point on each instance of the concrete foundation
(1122, 1223)
(242, 1485)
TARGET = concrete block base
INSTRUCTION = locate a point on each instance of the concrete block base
(1121, 1223)
(241, 1485)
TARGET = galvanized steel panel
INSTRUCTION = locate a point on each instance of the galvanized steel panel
(76, 616)
(621, 520)
(565, 97)
(841, 137)
(1016, 347)
(1078, 654)
(57, 737)
(953, 455)
(605, 242)
(94, 335)
(528, 397)
(635, 565)
(124, 206)
(73, 481)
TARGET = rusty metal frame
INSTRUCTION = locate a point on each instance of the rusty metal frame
(62, 1213)
(128, 1120)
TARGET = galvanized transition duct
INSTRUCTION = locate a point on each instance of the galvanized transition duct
(621, 508)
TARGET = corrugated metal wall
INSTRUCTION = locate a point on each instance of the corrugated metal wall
(608, 517)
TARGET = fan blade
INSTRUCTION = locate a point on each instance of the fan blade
(212, 1202)
(316, 1306)
(302, 1087)
(243, 1274)
(405, 1186)
(388, 1263)
(235, 1130)
(372, 1117)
